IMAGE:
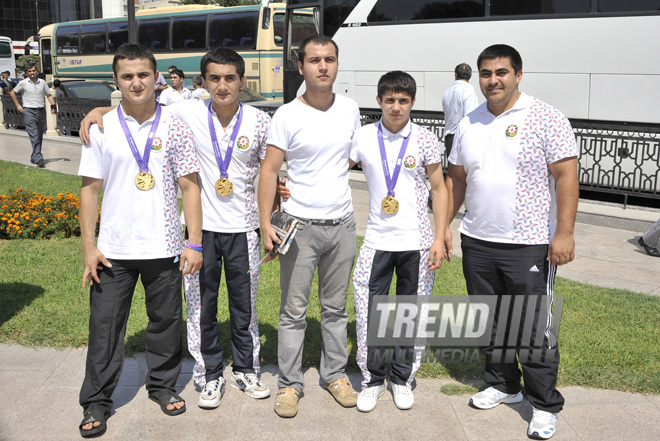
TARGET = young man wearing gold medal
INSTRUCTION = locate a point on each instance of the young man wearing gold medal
(138, 160)
(230, 142)
(396, 156)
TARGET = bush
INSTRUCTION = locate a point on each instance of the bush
(31, 215)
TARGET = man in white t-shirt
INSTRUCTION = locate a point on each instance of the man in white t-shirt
(198, 84)
(230, 236)
(514, 163)
(138, 160)
(458, 101)
(314, 134)
(175, 93)
(399, 235)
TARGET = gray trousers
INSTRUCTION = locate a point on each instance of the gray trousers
(652, 236)
(331, 249)
(35, 124)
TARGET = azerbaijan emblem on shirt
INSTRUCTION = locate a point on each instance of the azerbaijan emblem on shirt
(511, 131)
(409, 162)
(243, 143)
(157, 145)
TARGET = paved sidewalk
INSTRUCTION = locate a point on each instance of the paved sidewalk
(40, 386)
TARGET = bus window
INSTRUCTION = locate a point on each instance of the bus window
(5, 49)
(189, 32)
(92, 39)
(508, 7)
(392, 10)
(117, 35)
(235, 31)
(628, 5)
(46, 56)
(334, 14)
(155, 34)
(67, 40)
(302, 26)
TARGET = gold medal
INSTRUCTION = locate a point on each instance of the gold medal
(224, 187)
(390, 205)
(144, 181)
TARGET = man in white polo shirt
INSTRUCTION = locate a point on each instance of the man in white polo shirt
(399, 235)
(458, 101)
(175, 93)
(33, 91)
(514, 163)
(314, 134)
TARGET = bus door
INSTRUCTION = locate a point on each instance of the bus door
(303, 18)
(45, 45)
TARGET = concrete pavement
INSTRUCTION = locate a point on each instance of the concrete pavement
(40, 386)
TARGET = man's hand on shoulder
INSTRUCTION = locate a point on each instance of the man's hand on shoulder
(95, 116)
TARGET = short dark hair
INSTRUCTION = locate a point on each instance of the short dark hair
(172, 67)
(56, 83)
(197, 79)
(133, 51)
(397, 81)
(463, 71)
(221, 55)
(501, 51)
(317, 39)
(29, 66)
(178, 72)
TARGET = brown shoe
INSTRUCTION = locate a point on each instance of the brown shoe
(286, 403)
(343, 392)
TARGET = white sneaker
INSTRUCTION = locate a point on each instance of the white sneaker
(491, 397)
(368, 398)
(250, 384)
(403, 396)
(542, 425)
(210, 396)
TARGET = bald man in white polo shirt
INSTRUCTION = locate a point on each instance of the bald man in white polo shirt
(514, 163)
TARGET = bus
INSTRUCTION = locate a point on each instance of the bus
(595, 60)
(177, 35)
(7, 61)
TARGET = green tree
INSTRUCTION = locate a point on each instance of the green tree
(24, 60)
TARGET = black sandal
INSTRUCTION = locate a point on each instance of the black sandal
(91, 417)
(165, 398)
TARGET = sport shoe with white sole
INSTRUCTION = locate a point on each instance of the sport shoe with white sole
(542, 425)
(368, 398)
(250, 384)
(491, 397)
(210, 396)
(403, 396)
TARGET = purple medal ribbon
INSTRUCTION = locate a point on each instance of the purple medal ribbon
(391, 181)
(143, 162)
(224, 164)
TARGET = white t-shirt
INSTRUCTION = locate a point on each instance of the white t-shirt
(409, 228)
(170, 96)
(137, 224)
(32, 93)
(316, 146)
(458, 101)
(238, 211)
(510, 195)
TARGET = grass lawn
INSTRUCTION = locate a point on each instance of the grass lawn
(608, 338)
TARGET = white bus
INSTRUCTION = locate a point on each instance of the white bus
(7, 61)
(595, 60)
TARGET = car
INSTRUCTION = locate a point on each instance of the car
(252, 98)
(89, 89)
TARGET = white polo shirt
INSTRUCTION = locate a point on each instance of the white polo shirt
(409, 228)
(137, 224)
(170, 96)
(316, 145)
(32, 93)
(238, 211)
(510, 195)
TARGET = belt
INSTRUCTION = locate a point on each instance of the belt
(323, 222)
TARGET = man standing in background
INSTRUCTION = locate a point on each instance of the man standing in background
(458, 101)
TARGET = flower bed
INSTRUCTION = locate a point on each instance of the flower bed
(32, 215)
